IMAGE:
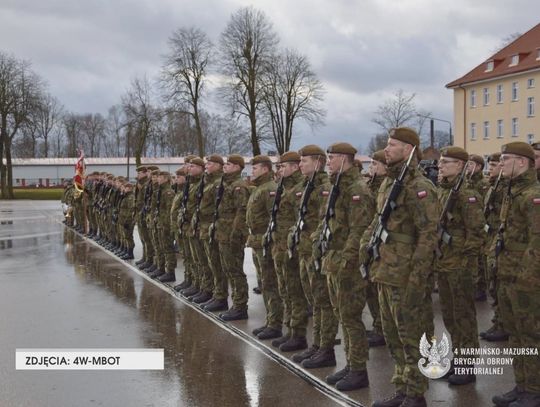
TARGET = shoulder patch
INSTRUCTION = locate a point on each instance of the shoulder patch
(325, 193)
(536, 201)
(237, 188)
(472, 199)
(272, 193)
(299, 194)
(356, 197)
(421, 194)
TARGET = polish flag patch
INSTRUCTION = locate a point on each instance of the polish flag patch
(272, 193)
(421, 194)
(237, 188)
(472, 199)
(356, 197)
(325, 193)
(299, 194)
(536, 201)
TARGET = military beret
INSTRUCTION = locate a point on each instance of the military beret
(259, 159)
(188, 158)
(341, 148)
(155, 172)
(518, 148)
(197, 161)
(379, 156)
(236, 159)
(477, 159)
(152, 167)
(110, 177)
(141, 168)
(128, 185)
(311, 149)
(214, 158)
(455, 152)
(180, 172)
(536, 146)
(495, 157)
(405, 134)
(289, 156)
(165, 173)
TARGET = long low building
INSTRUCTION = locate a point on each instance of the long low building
(47, 172)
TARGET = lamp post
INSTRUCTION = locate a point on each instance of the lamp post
(431, 118)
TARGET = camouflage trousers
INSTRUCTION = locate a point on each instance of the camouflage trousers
(148, 248)
(372, 295)
(269, 287)
(154, 236)
(493, 285)
(347, 292)
(220, 283)
(127, 235)
(325, 323)
(201, 268)
(402, 330)
(456, 293)
(167, 256)
(187, 260)
(480, 273)
(232, 262)
(520, 312)
(295, 305)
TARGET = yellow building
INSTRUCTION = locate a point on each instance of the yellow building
(494, 103)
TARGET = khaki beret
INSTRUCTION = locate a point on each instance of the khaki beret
(188, 158)
(518, 148)
(165, 173)
(405, 134)
(155, 172)
(311, 149)
(477, 159)
(141, 168)
(289, 156)
(379, 156)
(259, 159)
(197, 161)
(455, 152)
(495, 157)
(536, 146)
(152, 167)
(214, 158)
(341, 148)
(110, 177)
(236, 159)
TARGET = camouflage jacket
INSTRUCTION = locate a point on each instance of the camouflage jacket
(354, 211)
(407, 255)
(479, 183)
(125, 214)
(139, 196)
(375, 183)
(175, 208)
(492, 219)
(259, 208)
(152, 205)
(208, 203)
(287, 213)
(191, 203)
(465, 224)
(519, 261)
(231, 224)
(166, 196)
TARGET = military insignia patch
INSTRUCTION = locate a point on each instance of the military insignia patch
(472, 199)
(272, 193)
(237, 189)
(356, 197)
(325, 193)
(536, 201)
(421, 194)
(299, 194)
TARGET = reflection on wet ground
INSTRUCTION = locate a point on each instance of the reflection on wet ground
(58, 290)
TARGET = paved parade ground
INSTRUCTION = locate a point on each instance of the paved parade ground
(59, 289)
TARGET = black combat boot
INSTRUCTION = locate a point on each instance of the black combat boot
(145, 266)
(480, 296)
(497, 336)
(375, 339)
(505, 399)
(293, 344)
(418, 401)
(152, 269)
(190, 291)
(325, 357)
(299, 357)
(337, 376)
(269, 333)
(392, 401)
(217, 305)
(462, 378)
(202, 297)
(234, 314)
(258, 330)
(129, 254)
(527, 399)
(184, 284)
(156, 274)
(355, 379)
(276, 343)
(168, 277)
(140, 262)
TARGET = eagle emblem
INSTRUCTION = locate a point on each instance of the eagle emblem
(436, 357)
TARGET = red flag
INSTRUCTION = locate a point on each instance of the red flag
(80, 169)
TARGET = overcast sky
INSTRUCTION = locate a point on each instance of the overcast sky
(362, 50)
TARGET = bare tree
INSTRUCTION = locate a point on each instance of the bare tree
(184, 72)
(114, 142)
(46, 117)
(247, 46)
(72, 131)
(93, 132)
(291, 91)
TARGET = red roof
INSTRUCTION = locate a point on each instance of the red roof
(526, 46)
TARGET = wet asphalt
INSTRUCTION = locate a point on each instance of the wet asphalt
(61, 290)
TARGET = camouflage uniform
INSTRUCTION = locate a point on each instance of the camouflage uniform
(125, 220)
(142, 194)
(258, 211)
(402, 273)
(167, 256)
(152, 224)
(231, 234)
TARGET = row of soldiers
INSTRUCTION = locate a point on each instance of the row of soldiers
(337, 240)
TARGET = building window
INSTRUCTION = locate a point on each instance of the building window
(489, 66)
(473, 98)
(530, 138)
(514, 91)
(530, 83)
(500, 129)
(499, 93)
(515, 60)
(486, 96)
(486, 130)
(530, 106)
(514, 127)
(473, 131)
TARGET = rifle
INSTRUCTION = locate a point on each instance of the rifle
(489, 207)
(326, 234)
(380, 234)
(499, 245)
(158, 204)
(198, 199)
(183, 206)
(442, 234)
(300, 223)
(147, 196)
(267, 237)
(219, 197)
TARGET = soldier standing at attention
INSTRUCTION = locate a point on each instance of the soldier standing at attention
(536, 148)
(231, 234)
(517, 251)
(167, 256)
(315, 285)
(403, 268)
(126, 221)
(258, 212)
(142, 181)
(353, 210)
(150, 221)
